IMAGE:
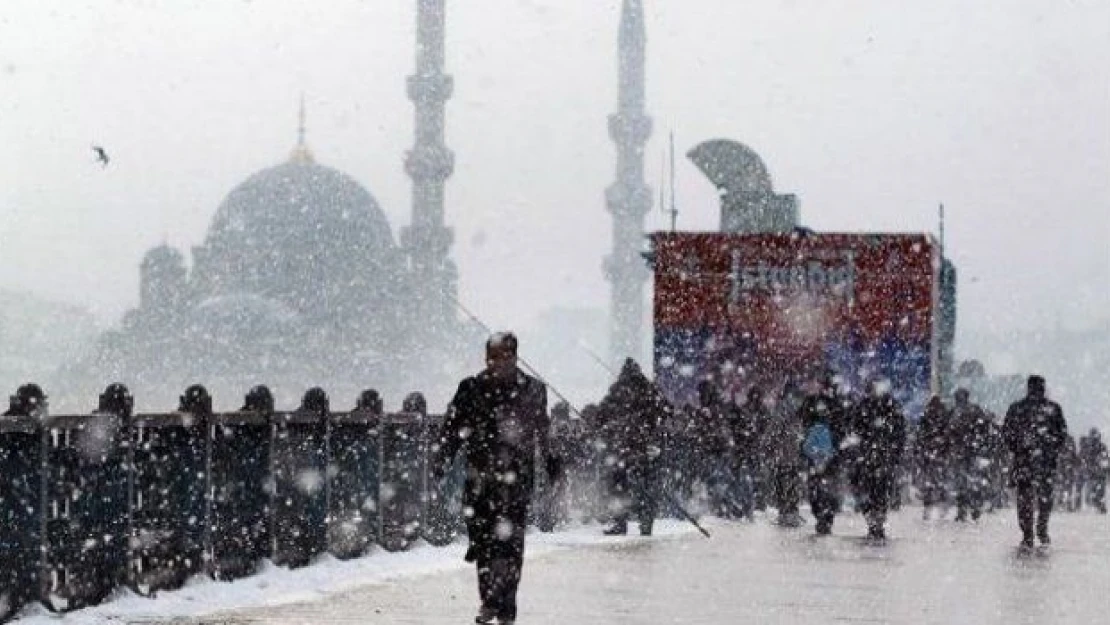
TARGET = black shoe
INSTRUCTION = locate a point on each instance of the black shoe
(1027, 544)
(486, 616)
(645, 529)
(824, 528)
(975, 514)
(1043, 537)
(617, 529)
(876, 533)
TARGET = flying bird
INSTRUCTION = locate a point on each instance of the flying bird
(101, 155)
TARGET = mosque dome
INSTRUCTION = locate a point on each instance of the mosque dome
(299, 233)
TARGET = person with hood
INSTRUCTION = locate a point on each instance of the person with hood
(970, 438)
(823, 419)
(784, 437)
(633, 410)
(933, 444)
(878, 433)
(499, 419)
(1035, 431)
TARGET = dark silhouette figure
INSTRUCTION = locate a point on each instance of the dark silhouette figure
(932, 447)
(1035, 431)
(1095, 461)
(633, 410)
(784, 437)
(499, 418)
(879, 432)
(824, 421)
(970, 441)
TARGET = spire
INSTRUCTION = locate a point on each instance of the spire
(427, 240)
(301, 153)
(629, 199)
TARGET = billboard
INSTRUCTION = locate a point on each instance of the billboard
(749, 310)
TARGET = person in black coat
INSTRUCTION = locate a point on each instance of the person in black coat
(824, 409)
(879, 435)
(1034, 431)
(499, 417)
(751, 453)
(1095, 462)
(634, 411)
(932, 447)
(970, 441)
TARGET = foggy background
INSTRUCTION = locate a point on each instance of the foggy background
(872, 112)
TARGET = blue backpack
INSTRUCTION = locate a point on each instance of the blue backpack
(818, 445)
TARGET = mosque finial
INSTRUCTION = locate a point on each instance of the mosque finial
(301, 153)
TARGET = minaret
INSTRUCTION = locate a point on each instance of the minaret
(629, 198)
(427, 240)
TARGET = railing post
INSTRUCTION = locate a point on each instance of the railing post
(299, 462)
(21, 464)
(239, 477)
(355, 471)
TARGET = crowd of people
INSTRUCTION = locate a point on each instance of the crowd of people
(635, 456)
(824, 445)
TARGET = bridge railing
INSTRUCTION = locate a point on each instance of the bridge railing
(90, 503)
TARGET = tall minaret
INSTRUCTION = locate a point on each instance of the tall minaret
(629, 198)
(427, 240)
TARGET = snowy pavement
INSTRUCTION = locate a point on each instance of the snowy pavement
(935, 572)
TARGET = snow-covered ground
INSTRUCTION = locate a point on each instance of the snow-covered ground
(930, 572)
(325, 578)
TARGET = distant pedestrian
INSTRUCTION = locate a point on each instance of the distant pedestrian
(1035, 431)
(824, 418)
(784, 437)
(970, 428)
(499, 419)
(635, 411)
(878, 432)
(1095, 461)
(933, 445)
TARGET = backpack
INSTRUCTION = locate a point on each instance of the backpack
(818, 445)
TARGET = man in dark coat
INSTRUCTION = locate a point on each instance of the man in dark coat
(823, 410)
(932, 446)
(499, 417)
(750, 453)
(970, 438)
(1095, 461)
(715, 451)
(1035, 431)
(784, 437)
(879, 435)
(634, 411)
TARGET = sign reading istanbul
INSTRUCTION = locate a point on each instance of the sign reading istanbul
(809, 276)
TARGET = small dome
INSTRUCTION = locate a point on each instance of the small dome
(162, 256)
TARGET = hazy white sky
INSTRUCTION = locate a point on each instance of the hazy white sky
(872, 111)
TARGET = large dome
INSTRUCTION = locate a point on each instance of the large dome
(298, 233)
(296, 198)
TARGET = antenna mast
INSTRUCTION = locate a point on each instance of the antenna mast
(940, 216)
(674, 207)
